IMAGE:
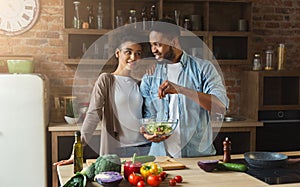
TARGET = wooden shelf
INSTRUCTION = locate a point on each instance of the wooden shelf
(86, 31)
(215, 25)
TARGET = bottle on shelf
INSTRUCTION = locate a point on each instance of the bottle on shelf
(226, 149)
(119, 19)
(78, 153)
(91, 17)
(83, 48)
(76, 18)
(100, 16)
(152, 15)
(281, 56)
(132, 17)
(144, 19)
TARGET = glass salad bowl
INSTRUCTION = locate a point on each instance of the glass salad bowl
(160, 128)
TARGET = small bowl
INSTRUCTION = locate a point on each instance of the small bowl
(20, 66)
(160, 128)
(71, 120)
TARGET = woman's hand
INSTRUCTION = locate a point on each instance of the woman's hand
(152, 138)
(64, 162)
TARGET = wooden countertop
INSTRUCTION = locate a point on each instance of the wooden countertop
(53, 127)
(194, 176)
(237, 124)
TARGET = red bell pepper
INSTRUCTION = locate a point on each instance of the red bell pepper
(131, 167)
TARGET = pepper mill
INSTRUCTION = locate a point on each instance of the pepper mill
(226, 149)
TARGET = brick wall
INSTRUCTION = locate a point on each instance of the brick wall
(274, 22)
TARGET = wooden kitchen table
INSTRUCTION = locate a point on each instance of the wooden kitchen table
(62, 129)
(194, 176)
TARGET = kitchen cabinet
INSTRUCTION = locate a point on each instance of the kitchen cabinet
(273, 97)
(217, 25)
(264, 91)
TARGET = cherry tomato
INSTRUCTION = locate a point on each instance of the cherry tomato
(163, 175)
(172, 182)
(178, 178)
(154, 180)
(141, 184)
(134, 178)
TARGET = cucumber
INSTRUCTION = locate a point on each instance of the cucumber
(144, 159)
(232, 167)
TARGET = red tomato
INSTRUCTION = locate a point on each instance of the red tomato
(154, 180)
(172, 182)
(141, 184)
(163, 175)
(178, 178)
(134, 178)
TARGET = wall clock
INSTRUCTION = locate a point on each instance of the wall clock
(18, 16)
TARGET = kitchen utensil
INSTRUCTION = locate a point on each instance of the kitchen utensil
(265, 159)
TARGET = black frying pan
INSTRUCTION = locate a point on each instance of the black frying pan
(265, 159)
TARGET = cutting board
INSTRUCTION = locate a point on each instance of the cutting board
(166, 162)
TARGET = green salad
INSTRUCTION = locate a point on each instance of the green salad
(159, 128)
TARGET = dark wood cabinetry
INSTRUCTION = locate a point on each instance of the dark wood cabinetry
(269, 91)
(218, 25)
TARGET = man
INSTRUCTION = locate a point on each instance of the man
(182, 87)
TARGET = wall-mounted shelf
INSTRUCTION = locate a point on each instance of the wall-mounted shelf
(217, 25)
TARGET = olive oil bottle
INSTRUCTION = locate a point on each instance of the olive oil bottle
(78, 153)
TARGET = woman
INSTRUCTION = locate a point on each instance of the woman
(117, 103)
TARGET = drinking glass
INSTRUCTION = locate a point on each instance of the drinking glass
(177, 17)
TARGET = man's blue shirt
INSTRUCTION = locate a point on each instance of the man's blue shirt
(195, 130)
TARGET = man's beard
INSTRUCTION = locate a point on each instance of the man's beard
(168, 57)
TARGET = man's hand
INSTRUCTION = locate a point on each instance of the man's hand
(167, 87)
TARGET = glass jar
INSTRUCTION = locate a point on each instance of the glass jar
(256, 62)
(281, 56)
(187, 24)
(269, 59)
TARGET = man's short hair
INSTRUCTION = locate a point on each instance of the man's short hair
(167, 27)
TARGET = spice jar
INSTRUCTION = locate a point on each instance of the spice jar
(187, 24)
(269, 59)
(256, 62)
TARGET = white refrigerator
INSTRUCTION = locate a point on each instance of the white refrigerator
(23, 127)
